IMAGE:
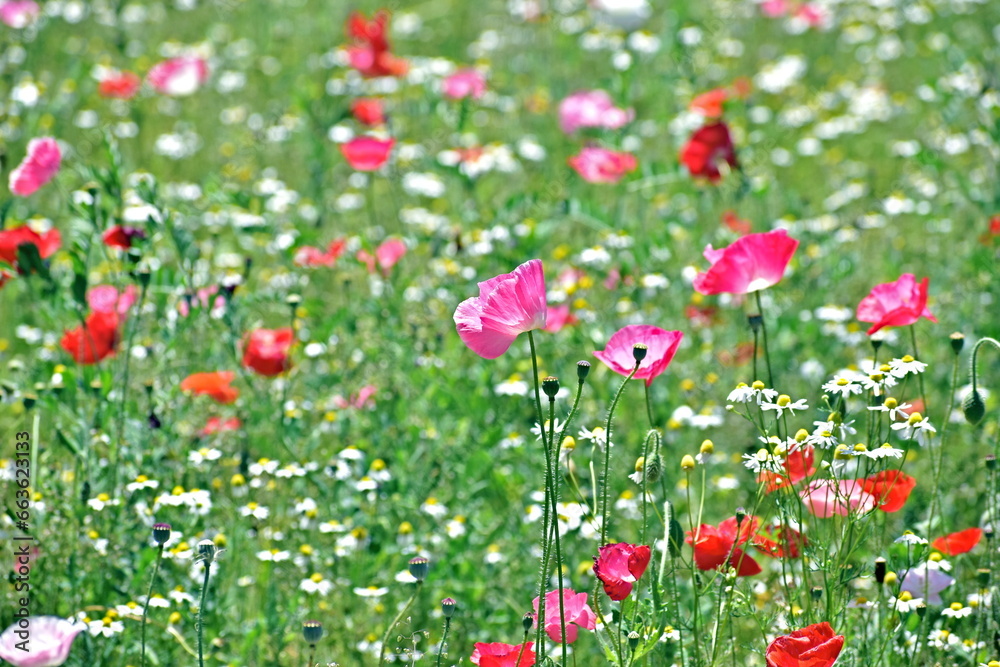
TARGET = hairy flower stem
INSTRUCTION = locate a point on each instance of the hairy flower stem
(547, 517)
(395, 621)
(607, 456)
(444, 638)
(145, 606)
(554, 488)
(201, 613)
(767, 351)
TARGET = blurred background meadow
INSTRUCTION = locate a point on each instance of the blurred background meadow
(869, 130)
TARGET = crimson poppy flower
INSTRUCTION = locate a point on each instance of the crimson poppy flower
(121, 236)
(891, 488)
(798, 465)
(370, 53)
(752, 262)
(895, 304)
(119, 85)
(661, 345)
(368, 111)
(961, 542)
(217, 425)
(266, 351)
(618, 566)
(600, 165)
(503, 655)
(578, 614)
(507, 306)
(386, 255)
(718, 546)
(707, 149)
(10, 239)
(38, 167)
(214, 385)
(94, 340)
(811, 646)
(367, 153)
(179, 76)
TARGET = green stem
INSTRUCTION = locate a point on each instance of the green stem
(444, 638)
(607, 456)
(767, 351)
(201, 614)
(395, 621)
(145, 606)
(547, 517)
(550, 456)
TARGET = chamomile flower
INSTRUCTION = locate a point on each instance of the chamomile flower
(905, 602)
(371, 591)
(757, 392)
(555, 427)
(762, 461)
(956, 610)
(256, 511)
(908, 537)
(916, 427)
(885, 451)
(843, 386)
(783, 403)
(316, 584)
(598, 436)
(895, 409)
(901, 367)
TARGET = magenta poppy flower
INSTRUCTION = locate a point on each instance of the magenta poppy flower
(107, 299)
(618, 566)
(661, 345)
(508, 305)
(498, 654)
(386, 255)
(468, 82)
(367, 153)
(751, 263)
(828, 497)
(578, 614)
(18, 13)
(47, 638)
(591, 108)
(600, 165)
(178, 76)
(895, 304)
(707, 149)
(38, 167)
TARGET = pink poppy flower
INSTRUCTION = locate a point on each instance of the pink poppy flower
(813, 15)
(370, 52)
(557, 318)
(386, 256)
(18, 13)
(591, 108)
(508, 305)
(828, 497)
(367, 153)
(47, 638)
(217, 425)
(661, 345)
(707, 149)
(368, 111)
(600, 165)
(38, 167)
(10, 239)
(498, 654)
(468, 82)
(364, 398)
(178, 76)
(578, 614)
(751, 263)
(618, 566)
(895, 304)
(107, 299)
(203, 299)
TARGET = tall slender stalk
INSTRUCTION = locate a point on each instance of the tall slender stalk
(767, 351)
(396, 620)
(547, 517)
(145, 606)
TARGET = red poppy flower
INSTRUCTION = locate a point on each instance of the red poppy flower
(710, 104)
(310, 256)
(707, 149)
(217, 425)
(798, 466)
(119, 85)
(780, 541)
(733, 222)
(752, 262)
(368, 111)
(812, 646)
(618, 566)
(214, 385)
(10, 239)
(958, 543)
(367, 153)
(121, 236)
(715, 547)
(503, 655)
(95, 340)
(371, 54)
(266, 351)
(895, 304)
(891, 488)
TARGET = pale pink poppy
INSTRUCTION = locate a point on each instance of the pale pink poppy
(661, 345)
(578, 614)
(928, 580)
(828, 497)
(47, 638)
(107, 299)
(508, 305)
(364, 398)
(813, 15)
(179, 76)
(896, 304)
(386, 255)
(557, 318)
(753, 262)
(600, 165)
(18, 13)
(38, 167)
(591, 108)
(468, 82)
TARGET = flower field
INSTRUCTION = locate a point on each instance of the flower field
(504, 333)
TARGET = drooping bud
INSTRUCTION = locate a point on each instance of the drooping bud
(983, 577)
(582, 370)
(312, 632)
(418, 568)
(550, 386)
(974, 407)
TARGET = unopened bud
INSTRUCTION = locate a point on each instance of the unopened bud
(740, 515)
(418, 568)
(816, 592)
(974, 407)
(639, 352)
(550, 386)
(991, 462)
(527, 621)
(880, 570)
(312, 632)
(983, 577)
(448, 607)
(633, 640)
(755, 321)
(957, 341)
(582, 370)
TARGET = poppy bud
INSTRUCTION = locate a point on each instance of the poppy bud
(527, 621)
(991, 462)
(675, 538)
(816, 592)
(633, 640)
(161, 533)
(207, 550)
(988, 532)
(582, 370)
(653, 468)
(880, 570)
(983, 577)
(973, 407)
(143, 276)
(957, 342)
(418, 568)
(740, 515)
(755, 321)
(639, 352)
(448, 607)
(29, 401)
(550, 386)
(921, 610)
(293, 300)
(312, 632)
(876, 343)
